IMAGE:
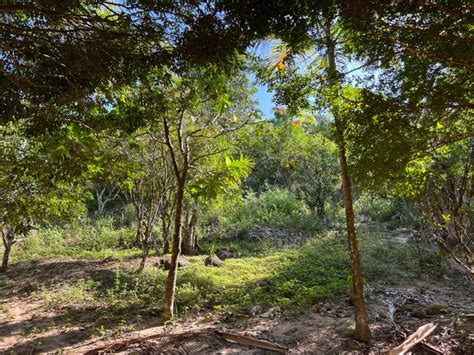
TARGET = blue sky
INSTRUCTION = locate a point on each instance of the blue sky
(264, 98)
(263, 95)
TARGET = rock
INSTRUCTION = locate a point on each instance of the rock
(272, 312)
(255, 309)
(316, 308)
(419, 313)
(213, 260)
(345, 327)
(226, 253)
(436, 309)
(166, 263)
(353, 344)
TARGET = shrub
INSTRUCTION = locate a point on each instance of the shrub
(274, 208)
(376, 208)
(95, 241)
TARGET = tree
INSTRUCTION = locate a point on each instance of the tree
(104, 195)
(29, 194)
(56, 56)
(414, 53)
(329, 83)
(416, 100)
(149, 189)
(285, 151)
(441, 184)
(188, 117)
(416, 88)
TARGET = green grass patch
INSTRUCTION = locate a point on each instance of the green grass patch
(290, 279)
(91, 241)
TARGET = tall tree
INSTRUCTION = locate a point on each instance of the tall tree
(188, 117)
(323, 79)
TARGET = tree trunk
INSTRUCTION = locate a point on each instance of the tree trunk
(165, 228)
(100, 201)
(189, 240)
(140, 234)
(8, 238)
(168, 307)
(362, 330)
(145, 246)
(146, 250)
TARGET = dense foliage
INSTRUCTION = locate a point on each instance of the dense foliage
(131, 129)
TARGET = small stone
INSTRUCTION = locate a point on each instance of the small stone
(166, 263)
(268, 314)
(255, 309)
(353, 344)
(213, 260)
(419, 313)
(226, 253)
(346, 328)
(436, 309)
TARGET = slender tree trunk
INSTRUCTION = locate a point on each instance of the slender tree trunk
(166, 231)
(100, 205)
(168, 307)
(146, 251)
(145, 246)
(8, 238)
(362, 330)
(189, 240)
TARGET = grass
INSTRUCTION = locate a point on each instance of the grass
(290, 279)
(76, 293)
(91, 241)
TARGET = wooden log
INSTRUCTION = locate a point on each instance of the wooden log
(242, 339)
(125, 343)
(415, 338)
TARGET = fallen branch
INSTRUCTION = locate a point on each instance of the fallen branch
(262, 344)
(124, 344)
(430, 348)
(423, 344)
(420, 334)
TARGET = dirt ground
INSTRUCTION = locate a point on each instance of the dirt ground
(395, 312)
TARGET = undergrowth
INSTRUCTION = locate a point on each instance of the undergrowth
(94, 241)
(289, 280)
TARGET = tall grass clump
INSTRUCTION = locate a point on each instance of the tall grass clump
(92, 239)
(273, 208)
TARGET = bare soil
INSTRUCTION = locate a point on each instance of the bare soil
(26, 328)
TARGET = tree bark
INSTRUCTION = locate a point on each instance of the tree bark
(189, 240)
(8, 238)
(168, 307)
(145, 246)
(165, 232)
(362, 330)
(146, 251)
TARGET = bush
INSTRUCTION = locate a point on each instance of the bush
(95, 241)
(273, 208)
(376, 208)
